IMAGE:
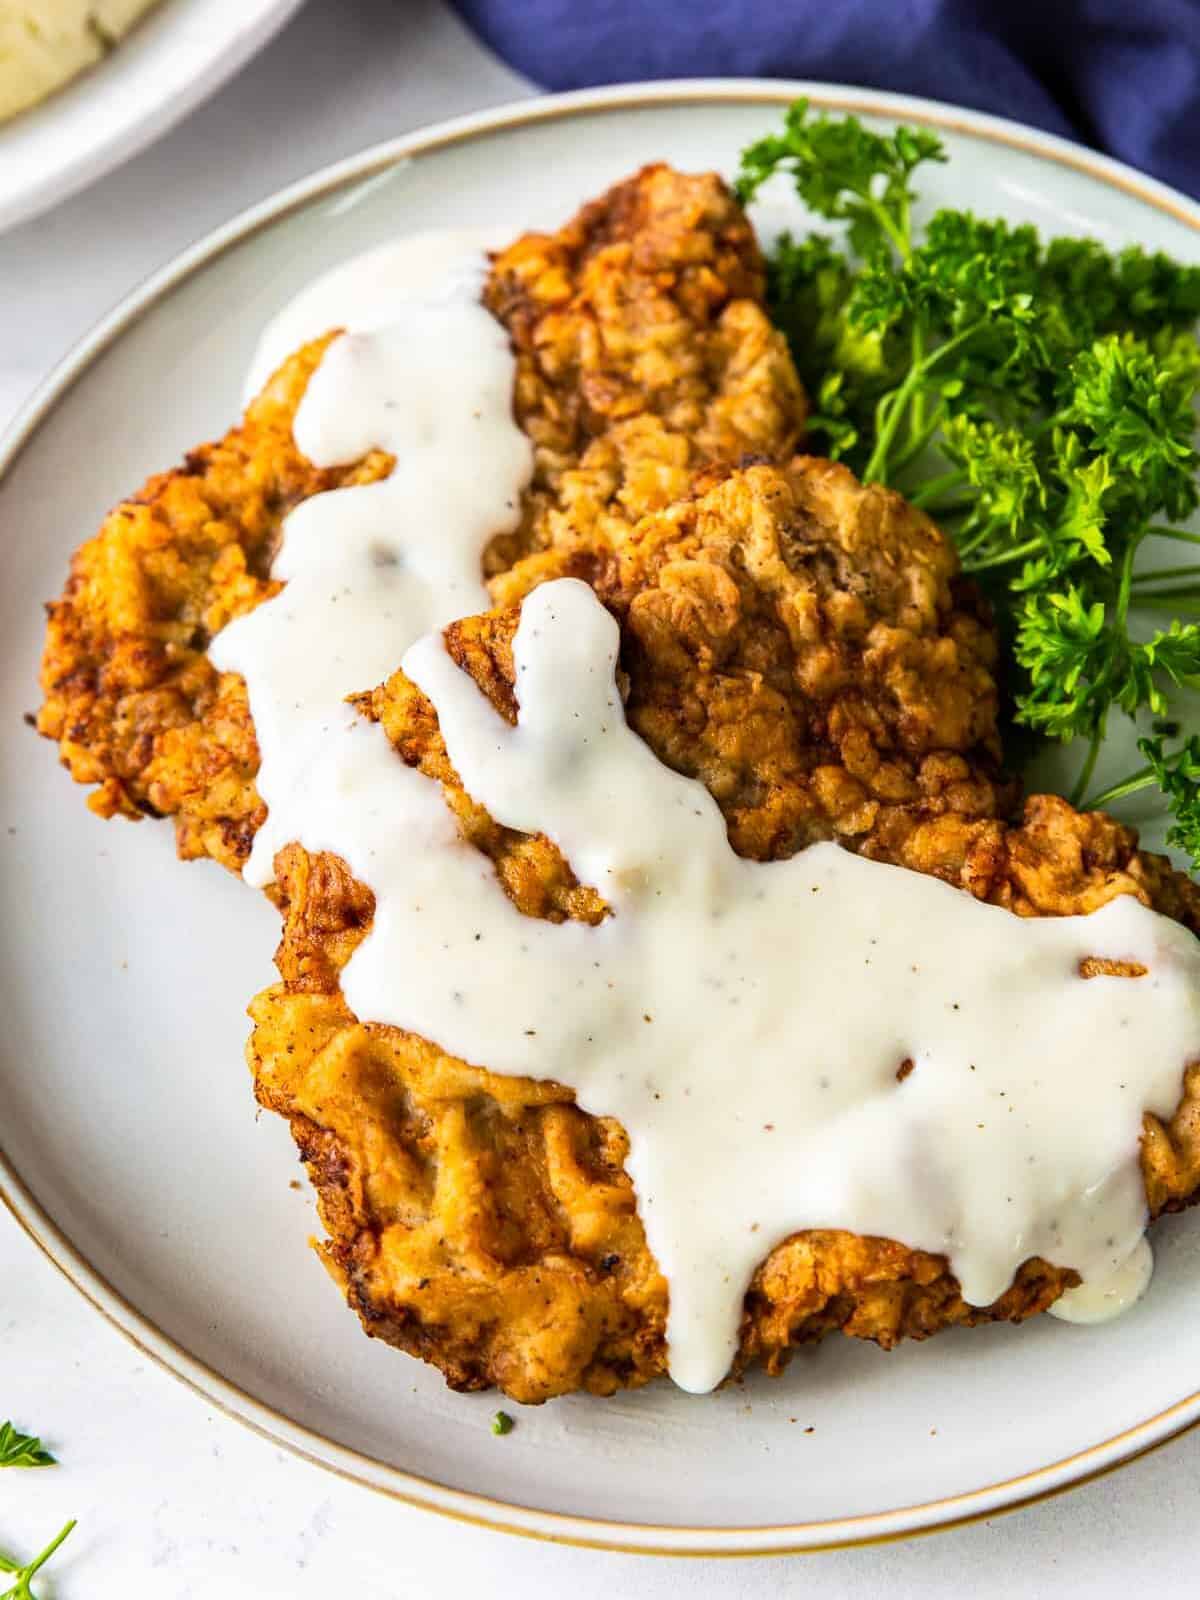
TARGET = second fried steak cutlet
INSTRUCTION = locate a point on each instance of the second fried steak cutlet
(484, 1222)
(642, 350)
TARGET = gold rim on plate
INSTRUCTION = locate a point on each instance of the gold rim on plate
(355, 1466)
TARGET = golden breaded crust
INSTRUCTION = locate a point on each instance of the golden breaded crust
(485, 1223)
(130, 695)
(643, 351)
(805, 647)
(641, 347)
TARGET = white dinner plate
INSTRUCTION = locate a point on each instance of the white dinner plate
(133, 1153)
(171, 61)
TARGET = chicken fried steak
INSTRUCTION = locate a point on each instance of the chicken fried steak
(792, 640)
(642, 349)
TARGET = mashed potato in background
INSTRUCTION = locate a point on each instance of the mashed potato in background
(44, 43)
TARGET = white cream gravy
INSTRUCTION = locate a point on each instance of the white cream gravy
(371, 568)
(746, 1022)
(363, 294)
(1102, 1298)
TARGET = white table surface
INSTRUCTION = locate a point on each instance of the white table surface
(174, 1500)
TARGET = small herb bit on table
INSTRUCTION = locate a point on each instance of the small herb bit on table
(502, 1423)
(1037, 399)
(22, 1449)
(20, 1590)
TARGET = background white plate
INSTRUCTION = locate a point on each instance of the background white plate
(133, 1156)
(176, 57)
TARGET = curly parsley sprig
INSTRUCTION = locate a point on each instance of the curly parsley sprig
(1037, 398)
(1177, 774)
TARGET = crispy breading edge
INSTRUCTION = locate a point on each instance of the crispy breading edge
(130, 696)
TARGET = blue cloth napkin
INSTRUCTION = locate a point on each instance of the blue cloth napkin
(1122, 75)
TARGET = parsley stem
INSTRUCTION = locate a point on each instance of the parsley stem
(916, 421)
(945, 510)
(1143, 778)
(1165, 572)
(1157, 532)
(1089, 766)
(1017, 553)
(1187, 599)
(980, 536)
(1126, 585)
(920, 436)
(906, 225)
(883, 409)
(894, 232)
(876, 469)
(936, 486)
(24, 1574)
(40, 1561)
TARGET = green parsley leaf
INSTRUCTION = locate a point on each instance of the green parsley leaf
(22, 1449)
(1137, 410)
(1178, 776)
(843, 171)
